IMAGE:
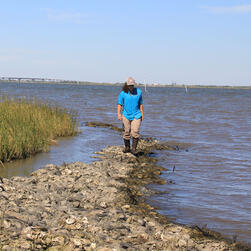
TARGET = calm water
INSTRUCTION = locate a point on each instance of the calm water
(212, 180)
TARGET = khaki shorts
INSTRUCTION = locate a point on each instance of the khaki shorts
(131, 128)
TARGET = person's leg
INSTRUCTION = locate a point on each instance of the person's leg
(135, 134)
(126, 134)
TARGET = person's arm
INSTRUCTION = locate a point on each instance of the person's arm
(119, 112)
(141, 106)
(120, 104)
(142, 112)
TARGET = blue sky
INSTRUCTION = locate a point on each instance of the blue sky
(164, 41)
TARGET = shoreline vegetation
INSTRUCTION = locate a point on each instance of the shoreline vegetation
(99, 206)
(28, 127)
(155, 85)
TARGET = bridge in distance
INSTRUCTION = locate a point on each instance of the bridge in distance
(23, 79)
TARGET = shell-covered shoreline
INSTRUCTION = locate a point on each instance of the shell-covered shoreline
(97, 206)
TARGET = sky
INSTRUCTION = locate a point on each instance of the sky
(204, 42)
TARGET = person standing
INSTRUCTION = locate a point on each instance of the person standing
(130, 111)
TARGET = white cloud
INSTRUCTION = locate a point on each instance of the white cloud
(66, 16)
(228, 9)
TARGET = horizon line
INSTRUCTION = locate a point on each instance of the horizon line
(37, 79)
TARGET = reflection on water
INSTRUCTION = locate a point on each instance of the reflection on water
(212, 180)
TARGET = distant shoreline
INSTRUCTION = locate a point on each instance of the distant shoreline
(120, 84)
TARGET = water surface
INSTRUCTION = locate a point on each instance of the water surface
(211, 182)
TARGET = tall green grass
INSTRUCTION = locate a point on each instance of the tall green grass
(28, 127)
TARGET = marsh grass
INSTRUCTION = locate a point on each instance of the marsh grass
(28, 127)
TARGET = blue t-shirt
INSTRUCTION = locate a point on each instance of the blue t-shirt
(131, 103)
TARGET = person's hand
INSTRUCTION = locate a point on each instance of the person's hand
(119, 116)
(142, 117)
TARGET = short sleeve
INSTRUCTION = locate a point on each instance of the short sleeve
(141, 99)
(121, 99)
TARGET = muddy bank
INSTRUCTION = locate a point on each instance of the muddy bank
(97, 206)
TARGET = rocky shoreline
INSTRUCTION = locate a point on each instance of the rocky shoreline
(97, 206)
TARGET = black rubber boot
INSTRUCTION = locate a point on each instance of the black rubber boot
(127, 146)
(134, 145)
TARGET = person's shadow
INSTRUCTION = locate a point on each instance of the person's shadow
(140, 153)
